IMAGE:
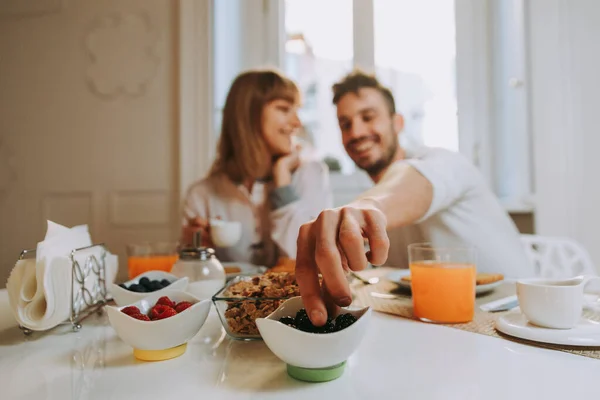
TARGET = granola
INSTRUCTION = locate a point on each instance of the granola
(241, 315)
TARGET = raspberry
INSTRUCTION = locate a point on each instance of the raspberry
(141, 317)
(182, 305)
(160, 311)
(166, 301)
(168, 312)
(131, 310)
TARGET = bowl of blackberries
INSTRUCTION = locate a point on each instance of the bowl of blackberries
(313, 353)
(141, 286)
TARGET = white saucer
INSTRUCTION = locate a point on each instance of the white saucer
(586, 333)
(245, 268)
(396, 277)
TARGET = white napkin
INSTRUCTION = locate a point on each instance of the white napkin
(39, 290)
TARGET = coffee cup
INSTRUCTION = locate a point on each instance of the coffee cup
(225, 233)
(553, 303)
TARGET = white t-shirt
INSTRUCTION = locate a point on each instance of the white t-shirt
(463, 211)
(267, 232)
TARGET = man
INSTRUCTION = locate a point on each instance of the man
(431, 195)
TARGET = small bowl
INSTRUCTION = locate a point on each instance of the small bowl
(312, 356)
(156, 340)
(260, 306)
(123, 296)
(225, 233)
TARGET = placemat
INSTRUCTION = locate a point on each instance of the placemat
(483, 322)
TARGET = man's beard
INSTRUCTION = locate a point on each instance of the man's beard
(378, 166)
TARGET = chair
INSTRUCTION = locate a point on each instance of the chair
(557, 257)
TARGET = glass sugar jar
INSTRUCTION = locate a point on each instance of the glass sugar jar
(205, 272)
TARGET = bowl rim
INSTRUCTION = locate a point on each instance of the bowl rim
(363, 310)
(172, 291)
(143, 275)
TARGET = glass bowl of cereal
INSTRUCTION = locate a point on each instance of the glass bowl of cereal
(246, 298)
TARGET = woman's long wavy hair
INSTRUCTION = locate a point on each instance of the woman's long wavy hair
(242, 152)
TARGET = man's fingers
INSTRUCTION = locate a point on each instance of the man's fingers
(332, 308)
(374, 229)
(351, 241)
(328, 258)
(307, 276)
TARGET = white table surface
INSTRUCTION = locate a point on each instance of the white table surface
(398, 358)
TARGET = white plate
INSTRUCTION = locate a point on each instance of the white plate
(586, 333)
(245, 268)
(396, 276)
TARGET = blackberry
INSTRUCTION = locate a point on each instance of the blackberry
(303, 322)
(329, 327)
(289, 321)
(343, 321)
(137, 288)
(154, 286)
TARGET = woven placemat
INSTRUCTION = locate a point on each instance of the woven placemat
(483, 322)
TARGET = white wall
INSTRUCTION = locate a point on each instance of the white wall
(88, 122)
(565, 104)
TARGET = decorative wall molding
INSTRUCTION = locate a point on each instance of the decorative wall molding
(123, 55)
(135, 208)
(68, 208)
(29, 8)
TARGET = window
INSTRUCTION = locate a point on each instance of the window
(414, 55)
(415, 52)
(316, 56)
(457, 69)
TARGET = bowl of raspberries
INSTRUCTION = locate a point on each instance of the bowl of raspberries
(313, 354)
(159, 326)
(144, 284)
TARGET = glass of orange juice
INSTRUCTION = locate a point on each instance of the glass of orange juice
(442, 282)
(158, 256)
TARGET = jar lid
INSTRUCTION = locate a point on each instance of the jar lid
(196, 253)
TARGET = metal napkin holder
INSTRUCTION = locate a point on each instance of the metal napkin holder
(90, 269)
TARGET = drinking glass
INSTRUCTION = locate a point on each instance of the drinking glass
(442, 282)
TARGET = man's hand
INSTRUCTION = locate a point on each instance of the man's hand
(330, 245)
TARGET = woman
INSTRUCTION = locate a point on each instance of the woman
(259, 177)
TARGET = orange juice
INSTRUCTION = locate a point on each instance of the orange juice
(443, 292)
(139, 264)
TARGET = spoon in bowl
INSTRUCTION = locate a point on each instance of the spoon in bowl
(370, 281)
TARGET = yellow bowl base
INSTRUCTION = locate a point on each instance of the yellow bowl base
(160, 355)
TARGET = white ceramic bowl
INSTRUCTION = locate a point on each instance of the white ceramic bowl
(225, 233)
(311, 350)
(123, 296)
(162, 334)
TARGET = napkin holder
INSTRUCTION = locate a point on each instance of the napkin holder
(90, 268)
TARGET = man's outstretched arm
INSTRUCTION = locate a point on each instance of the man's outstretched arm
(334, 241)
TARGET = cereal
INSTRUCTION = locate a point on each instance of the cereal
(274, 287)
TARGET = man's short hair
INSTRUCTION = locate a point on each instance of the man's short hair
(356, 80)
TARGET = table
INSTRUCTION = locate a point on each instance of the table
(398, 358)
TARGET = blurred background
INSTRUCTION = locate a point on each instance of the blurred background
(110, 109)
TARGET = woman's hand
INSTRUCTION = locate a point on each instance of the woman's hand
(194, 225)
(285, 166)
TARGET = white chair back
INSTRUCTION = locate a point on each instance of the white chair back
(557, 257)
